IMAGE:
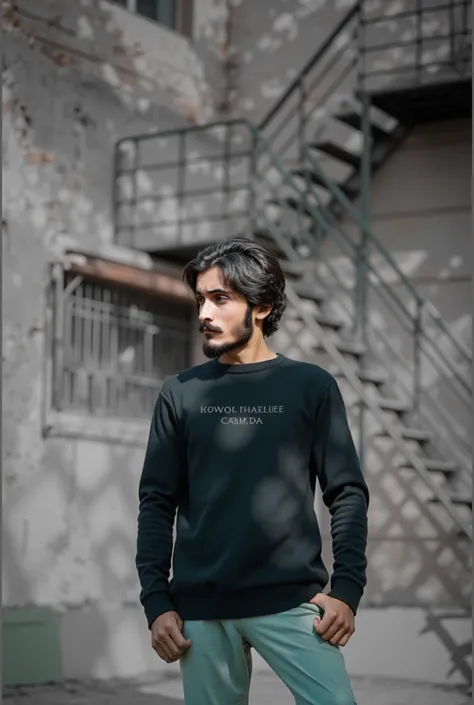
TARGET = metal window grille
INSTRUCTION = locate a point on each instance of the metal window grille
(115, 347)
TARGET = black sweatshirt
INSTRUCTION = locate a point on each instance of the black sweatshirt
(237, 450)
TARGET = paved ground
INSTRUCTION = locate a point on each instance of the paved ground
(266, 689)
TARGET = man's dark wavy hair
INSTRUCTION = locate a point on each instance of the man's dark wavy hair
(249, 270)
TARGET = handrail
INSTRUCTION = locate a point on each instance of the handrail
(317, 214)
(361, 391)
(184, 130)
(438, 428)
(352, 211)
(309, 65)
(260, 186)
(464, 391)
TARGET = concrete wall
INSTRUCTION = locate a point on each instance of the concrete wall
(78, 76)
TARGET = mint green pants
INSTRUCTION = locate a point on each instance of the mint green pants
(217, 667)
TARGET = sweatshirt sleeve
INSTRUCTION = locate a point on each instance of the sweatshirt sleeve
(159, 495)
(345, 493)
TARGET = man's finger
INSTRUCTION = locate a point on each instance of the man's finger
(325, 623)
(179, 639)
(171, 646)
(333, 629)
(346, 638)
(162, 651)
(336, 639)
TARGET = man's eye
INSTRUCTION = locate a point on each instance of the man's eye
(221, 298)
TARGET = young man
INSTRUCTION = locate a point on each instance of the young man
(236, 446)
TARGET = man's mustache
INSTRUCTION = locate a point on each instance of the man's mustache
(204, 327)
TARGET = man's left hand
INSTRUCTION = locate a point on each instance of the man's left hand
(337, 623)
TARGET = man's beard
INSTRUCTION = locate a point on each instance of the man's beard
(241, 336)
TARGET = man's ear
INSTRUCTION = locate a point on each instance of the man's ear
(263, 311)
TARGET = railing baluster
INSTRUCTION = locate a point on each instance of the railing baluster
(226, 177)
(252, 184)
(452, 33)
(136, 163)
(181, 182)
(361, 44)
(417, 334)
(419, 40)
(301, 122)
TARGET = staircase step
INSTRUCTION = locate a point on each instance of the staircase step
(329, 321)
(372, 376)
(309, 292)
(334, 150)
(324, 320)
(319, 181)
(265, 238)
(349, 347)
(354, 119)
(293, 203)
(445, 466)
(292, 268)
(392, 405)
(410, 434)
(369, 376)
(456, 498)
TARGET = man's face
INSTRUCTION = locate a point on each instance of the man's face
(225, 317)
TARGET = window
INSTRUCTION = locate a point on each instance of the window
(175, 14)
(114, 346)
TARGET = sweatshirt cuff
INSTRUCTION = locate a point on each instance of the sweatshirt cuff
(347, 591)
(156, 604)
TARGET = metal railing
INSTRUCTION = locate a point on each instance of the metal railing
(113, 348)
(432, 42)
(182, 186)
(319, 88)
(431, 350)
(249, 169)
(268, 182)
(204, 183)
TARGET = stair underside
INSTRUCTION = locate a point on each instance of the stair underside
(428, 103)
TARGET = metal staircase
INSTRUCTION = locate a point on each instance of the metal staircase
(415, 416)
(299, 183)
(364, 355)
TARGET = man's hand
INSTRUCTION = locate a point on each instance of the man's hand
(337, 623)
(167, 638)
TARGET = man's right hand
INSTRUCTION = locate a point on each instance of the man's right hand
(167, 638)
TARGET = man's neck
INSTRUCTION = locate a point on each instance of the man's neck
(247, 356)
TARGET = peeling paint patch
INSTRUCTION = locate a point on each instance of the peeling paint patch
(110, 75)
(84, 28)
(309, 7)
(272, 88)
(286, 23)
(39, 158)
(268, 43)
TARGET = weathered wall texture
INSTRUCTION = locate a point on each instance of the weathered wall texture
(79, 76)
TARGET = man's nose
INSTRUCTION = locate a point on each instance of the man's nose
(205, 312)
